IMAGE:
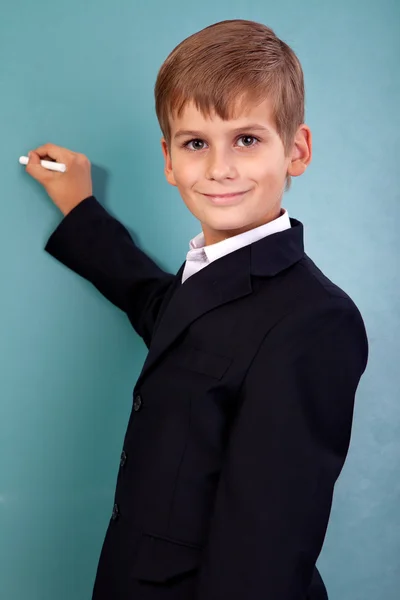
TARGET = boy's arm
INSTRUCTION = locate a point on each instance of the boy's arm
(286, 449)
(99, 248)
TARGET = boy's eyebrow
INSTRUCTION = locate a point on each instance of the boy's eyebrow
(252, 126)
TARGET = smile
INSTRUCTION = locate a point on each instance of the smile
(226, 198)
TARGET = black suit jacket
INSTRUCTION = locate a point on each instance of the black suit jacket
(241, 416)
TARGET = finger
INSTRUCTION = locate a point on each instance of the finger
(54, 152)
(35, 169)
(34, 158)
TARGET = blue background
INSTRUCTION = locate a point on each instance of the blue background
(81, 75)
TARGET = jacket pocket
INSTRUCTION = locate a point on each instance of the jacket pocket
(159, 559)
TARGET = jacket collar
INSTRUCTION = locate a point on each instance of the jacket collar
(224, 280)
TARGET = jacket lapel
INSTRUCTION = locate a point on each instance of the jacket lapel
(224, 280)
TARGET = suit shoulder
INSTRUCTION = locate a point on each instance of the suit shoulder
(312, 277)
(313, 288)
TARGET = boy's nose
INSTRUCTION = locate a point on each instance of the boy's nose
(221, 166)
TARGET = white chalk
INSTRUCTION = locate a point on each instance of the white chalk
(47, 164)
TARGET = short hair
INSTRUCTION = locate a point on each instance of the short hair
(231, 64)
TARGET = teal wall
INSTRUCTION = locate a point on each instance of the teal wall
(81, 75)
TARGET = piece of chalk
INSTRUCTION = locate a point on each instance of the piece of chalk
(47, 164)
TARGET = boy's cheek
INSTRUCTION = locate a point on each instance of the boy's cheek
(188, 179)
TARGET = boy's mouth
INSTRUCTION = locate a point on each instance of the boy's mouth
(225, 198)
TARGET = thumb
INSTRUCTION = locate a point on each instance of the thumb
(35, 169)
(34, 159)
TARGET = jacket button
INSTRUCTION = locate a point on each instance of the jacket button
(137, 403)
(115, 512)
(123, 458)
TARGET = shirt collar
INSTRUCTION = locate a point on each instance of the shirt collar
(214, 251)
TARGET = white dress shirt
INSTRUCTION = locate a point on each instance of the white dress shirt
(199, 255)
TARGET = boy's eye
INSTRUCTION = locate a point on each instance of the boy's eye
(246, 139)
(195, 142)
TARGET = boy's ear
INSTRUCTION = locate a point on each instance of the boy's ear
(301, 151)
(168, 163)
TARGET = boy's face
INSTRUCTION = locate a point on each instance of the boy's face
(243, 156)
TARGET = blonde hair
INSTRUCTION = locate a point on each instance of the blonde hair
(230, 61)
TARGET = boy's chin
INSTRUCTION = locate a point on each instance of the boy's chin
(219, 229)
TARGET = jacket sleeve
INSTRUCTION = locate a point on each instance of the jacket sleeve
(286, 449)
(99, 248)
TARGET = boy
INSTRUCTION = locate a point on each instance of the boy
(242, 413)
